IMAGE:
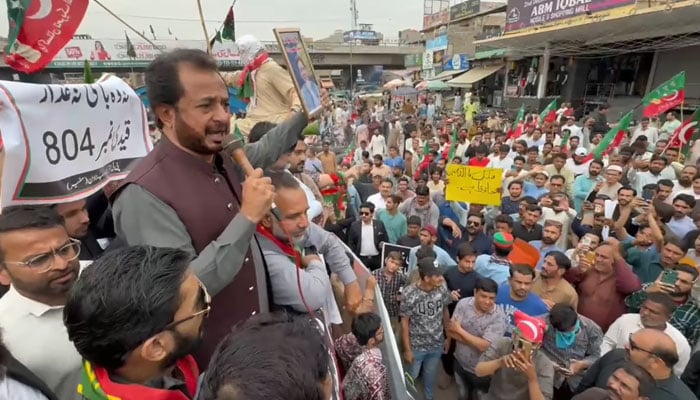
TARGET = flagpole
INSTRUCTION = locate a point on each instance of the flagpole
(204, 26)
(131, 28)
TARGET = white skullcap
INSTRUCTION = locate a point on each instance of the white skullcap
(248, 47)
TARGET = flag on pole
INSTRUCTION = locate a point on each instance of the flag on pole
(38, 30)
(685, 133)
(549, 114)
(565, 140)
(517, 128)
(453, 145)
(130, 50)
(612, 139)
(216, 38)
(87, 73)
(228, 32)
(670, 94)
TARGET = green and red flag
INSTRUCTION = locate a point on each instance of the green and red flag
(685, 133)
(612, 139)
(39, 29)
(130, 50)
(228, 32)
(453, 144)
(670, 94)
(517, 128)
(549, 114)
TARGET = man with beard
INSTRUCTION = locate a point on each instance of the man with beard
(681, 223)
(77, 222)
(650, 349)
(550, 284)
(686, 318)
(422, 206)
(135, 316)
(40, 263)
(550, 236)
(626, 198)
(291, 245)
(684, 184)
(628, 382)
(638, 179)
(584, 184)
(187, 192)
(517, 295)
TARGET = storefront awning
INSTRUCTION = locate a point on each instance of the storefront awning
(445, 75)
(495, 53)
(628, 29)
(474, 75)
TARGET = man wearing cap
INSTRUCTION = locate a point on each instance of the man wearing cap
(428, 237)
(585, 183)
(577, 163)
(424, 315)
(496, 266)
(612, 184)
(518, 369)
(536, 188)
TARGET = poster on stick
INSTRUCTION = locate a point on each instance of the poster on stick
(403, 250)
(65, 142)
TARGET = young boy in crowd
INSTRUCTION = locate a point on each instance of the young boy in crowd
(411, 239)
(391, 279)
(424, 316)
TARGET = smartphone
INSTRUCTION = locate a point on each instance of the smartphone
(647, 195)
(586, 242)
(597, 208)
(669, 277)
(563, 369)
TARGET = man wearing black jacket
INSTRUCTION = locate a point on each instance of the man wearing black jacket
(365, 237)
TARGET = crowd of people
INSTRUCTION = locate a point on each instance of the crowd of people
(191, 280)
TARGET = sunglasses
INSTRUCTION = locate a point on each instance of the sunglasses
(365, 213)
(205, 300)
(473, 223)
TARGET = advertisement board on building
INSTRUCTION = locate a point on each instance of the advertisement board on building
(349, 36)
(439, 43)
(464, 9)
(109, 53)
(436, 19)
(412, 60)
(523, 14)
(428, 60)
(456, 62)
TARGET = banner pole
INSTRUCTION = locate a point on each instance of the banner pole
(204, 26)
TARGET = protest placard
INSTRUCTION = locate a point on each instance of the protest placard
(474, 184)
(388, 248)
(65, 142)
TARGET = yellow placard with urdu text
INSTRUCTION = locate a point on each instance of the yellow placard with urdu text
(475, 185)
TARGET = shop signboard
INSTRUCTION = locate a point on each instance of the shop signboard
(349, 36)
(464, 9)
(524, 14)
(436, 19)
(428, 60)
(109, 53)
(457, 62)
(439, 43)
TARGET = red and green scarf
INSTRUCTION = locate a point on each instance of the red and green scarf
(95, 384)
(336, 195)
(292, 252)
(245, 81)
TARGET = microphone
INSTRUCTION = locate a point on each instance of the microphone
(234, 146)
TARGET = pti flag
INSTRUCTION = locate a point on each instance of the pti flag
(228, 32)
(684, 134)
(517, 128)
(612, 139)
(670, 94)
(549, 114)
(39, 29)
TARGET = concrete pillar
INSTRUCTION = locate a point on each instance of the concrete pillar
(652, 73)
(505, 86)
(544, 71)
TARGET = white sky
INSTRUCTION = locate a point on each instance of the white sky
(315, 18)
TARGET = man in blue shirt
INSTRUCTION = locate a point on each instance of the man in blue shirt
(428, 237)
(550, 235)
(583, 184)
(516, 295)
(394, 160)
(536, 188)
(497, 266)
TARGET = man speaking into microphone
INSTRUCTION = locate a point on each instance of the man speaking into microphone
(187, 192)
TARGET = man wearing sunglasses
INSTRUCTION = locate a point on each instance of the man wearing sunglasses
(40, 263)
(651, 349)
(135, 316)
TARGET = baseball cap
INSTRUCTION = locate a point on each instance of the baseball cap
(503, 240)
(615, 168)
(545, 173)
(529, 328)
(429, 266)
(581, 152)
(430, 229)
